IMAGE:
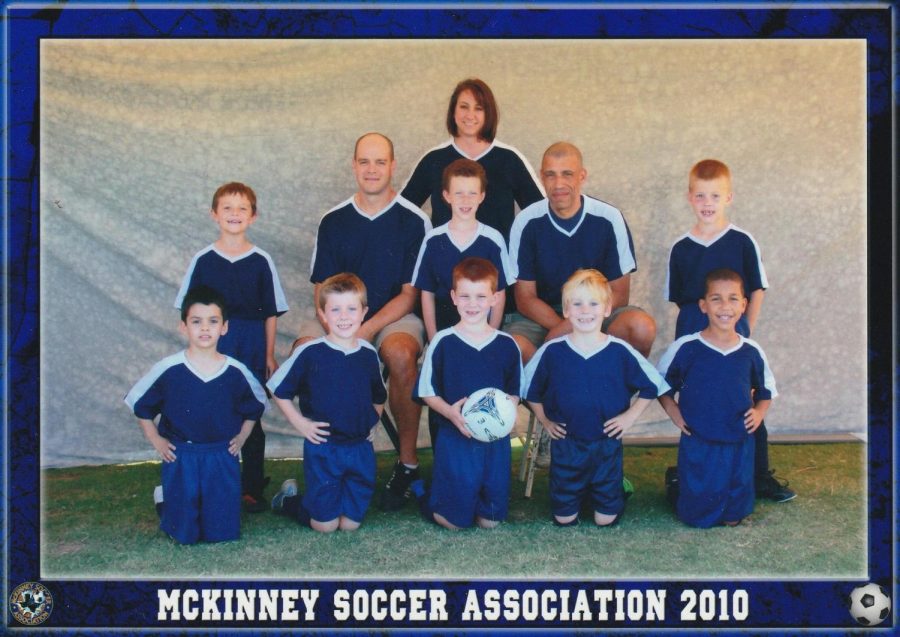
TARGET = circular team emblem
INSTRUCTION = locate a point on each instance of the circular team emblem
(31, 603)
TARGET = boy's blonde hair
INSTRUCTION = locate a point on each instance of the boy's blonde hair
(707, 170)
(476, 269)
(591, 280)
(463, 167)
(235, 188)
(340, 283)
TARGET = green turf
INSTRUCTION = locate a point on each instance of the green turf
(100, 522)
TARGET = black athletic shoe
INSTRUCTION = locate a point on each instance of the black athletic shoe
(768, 486)
(672, 485)
(397, 492)
(254, 504)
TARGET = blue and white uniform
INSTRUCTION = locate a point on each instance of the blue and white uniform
(253, 293)
(715, 389)
(691, 259)
(547, 249)
(380, 249)
(199, 415)
(471, 478)
(339, 387)
(510, 181)
(583, 391)
(440, 254)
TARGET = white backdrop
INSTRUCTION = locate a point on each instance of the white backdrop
(136, 135)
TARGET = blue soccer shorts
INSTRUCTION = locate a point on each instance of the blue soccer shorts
(582, 469)
(339, 480)
(202, 493)
(470, 478)
(715, 481)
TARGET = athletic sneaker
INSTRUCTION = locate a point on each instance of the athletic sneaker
(254, 504)
(627, 487)
(288, 489)
(672, 485)
(543, 450)
(158, 499)
(768, 486)
(396, 491)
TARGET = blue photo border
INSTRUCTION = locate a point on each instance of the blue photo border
(87, 605)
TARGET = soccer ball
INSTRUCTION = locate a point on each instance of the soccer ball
(869, 604)
(489, 414)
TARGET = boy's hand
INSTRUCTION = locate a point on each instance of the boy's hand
(236, 443)
(164, 448)
(455, 416)
(616, 426)
(314, 431)
(753, 418)
(556, 430)
(271, 366)
(371, 436)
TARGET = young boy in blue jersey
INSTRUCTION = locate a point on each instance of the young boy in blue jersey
(580, 387)
(207, 403)
(724, 387)
(337, 380)
(713, 242)
(464, 183)
(246, 276)
(470, 483)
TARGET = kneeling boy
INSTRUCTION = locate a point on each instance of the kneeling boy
(724, 388)
(471, 478)
(580, 387)
(337, 380)
(208, 404)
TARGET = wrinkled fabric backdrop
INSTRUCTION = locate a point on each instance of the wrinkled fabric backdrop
(136, 135)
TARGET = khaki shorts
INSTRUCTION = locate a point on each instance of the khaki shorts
(409, 324)
(516, 324)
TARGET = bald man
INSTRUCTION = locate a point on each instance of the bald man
(553, 238)
(376, 234)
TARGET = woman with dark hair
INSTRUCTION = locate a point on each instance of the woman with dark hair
(472, 119)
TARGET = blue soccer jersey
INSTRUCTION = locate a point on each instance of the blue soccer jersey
(380, 249)
(454, 368)
(333, 385)
(543, 250)
(440, 254)
(195, 408)
(253, 293)
(715, 387)
(691, 259)
(510, 181)
(584, 390)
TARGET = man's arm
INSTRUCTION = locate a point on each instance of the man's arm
(531, 306)
(395, 309)
(621, 290)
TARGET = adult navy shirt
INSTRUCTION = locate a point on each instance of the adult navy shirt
(380, 249)
(440, 254)
(584, 390)
(543, 251)
(454, 367)
(510, 181)
(691, 259)
(715, 386)
(197, 408)
(334, 385)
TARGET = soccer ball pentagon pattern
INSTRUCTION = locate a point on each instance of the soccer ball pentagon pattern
(489, 414)
(869, 604)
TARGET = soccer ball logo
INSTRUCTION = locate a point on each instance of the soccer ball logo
(489, 414)
(869, 604)
(30, 603)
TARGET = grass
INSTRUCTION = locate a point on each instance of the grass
(99, 522)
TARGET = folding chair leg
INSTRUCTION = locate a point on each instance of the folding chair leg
(526, 447)
(390, 429)
(532, 462)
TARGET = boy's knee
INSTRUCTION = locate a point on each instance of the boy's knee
(346, 524)
(444, 522)
(484, 523)
(325, 527)
(604, 519)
